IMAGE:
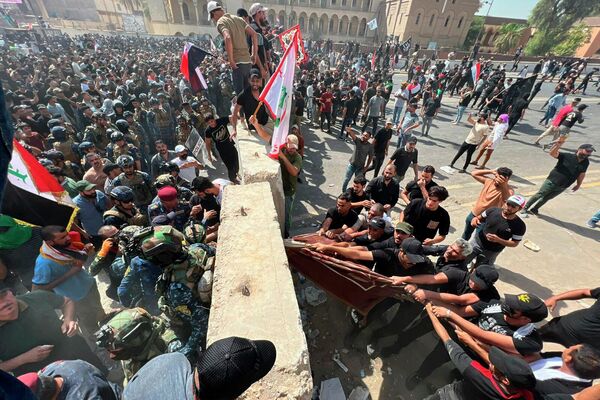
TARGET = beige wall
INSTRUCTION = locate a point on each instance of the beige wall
(424, 21)
(593, 46)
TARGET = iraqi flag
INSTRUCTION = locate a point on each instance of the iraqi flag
(277, 97)
(34, 196)
(191, 58)
(475, 72)
(373, 60)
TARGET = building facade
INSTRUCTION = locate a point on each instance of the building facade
(592, 47)
(491, 31)
(430, 23)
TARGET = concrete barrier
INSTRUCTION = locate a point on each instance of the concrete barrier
(253, 293)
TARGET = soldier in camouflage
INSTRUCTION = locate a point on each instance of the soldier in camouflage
(123, 211)
(139, 182)
(119, 147)
(96, 133)
(63, 143)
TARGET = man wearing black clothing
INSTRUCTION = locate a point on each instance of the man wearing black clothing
(248, 102)
(431, 222)
(569, 168)
(385, 189)
(338, 218)
(516, 111)
(404, 157)
(358, 197)
(381, 144)
(581, 326)
(217, 130)
(351, 105)
(419, 188)
(402, 231)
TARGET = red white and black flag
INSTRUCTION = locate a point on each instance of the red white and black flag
(191, 58)
(34, 196)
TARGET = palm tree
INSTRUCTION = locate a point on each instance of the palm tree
(508, 37)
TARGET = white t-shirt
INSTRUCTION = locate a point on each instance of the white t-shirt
(400, 102)
(222, 183)
(187, 167)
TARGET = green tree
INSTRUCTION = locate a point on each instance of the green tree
(473, 32)
(509, 36)
(553, 19)
(576, 36)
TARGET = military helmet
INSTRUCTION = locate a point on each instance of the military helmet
(194, 233)
(165, 180)
(98, 115)
(53, 122)
(58, 132)
(161, 246)
(85, 145)
(122, 193)
(45, 162)
(55, 155)
(126, 334)
(116, 136)
(122, 124)
(153, 101)
(168, 167)
(126, 114)
(117, 103)
(125, 161)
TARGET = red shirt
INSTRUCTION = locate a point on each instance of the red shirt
(326, 102)
(561, 115)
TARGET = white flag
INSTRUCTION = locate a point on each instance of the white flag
(372, 24)
(277, 97)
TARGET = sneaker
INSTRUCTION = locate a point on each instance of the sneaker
(591, 224)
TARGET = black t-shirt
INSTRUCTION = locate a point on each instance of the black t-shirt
(581, 326)
(381, 138)
(414, 191)
(402, 160)
(338, 220)
(431, 106)
(260, 40)
(458, 283)
(504, 228)
(299, 106)
(208, 203)
(572, 118)
(249, 103)
(567, 169)
(426, 223)
(365, 240)
(466, 99)
(351, 106)
(220, 134)
(355, 198)
(389, 243)
(526, 339)
(388, 264)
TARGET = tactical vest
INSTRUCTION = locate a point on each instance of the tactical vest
(142, 196)
(66, 148)
(138, 219)
(120, 151)
(98, 136)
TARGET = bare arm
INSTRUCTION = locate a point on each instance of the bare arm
(554, 150)
(436, 279)
(580, 179)
(229, 48)
(576, 294)
(480, 174)
(234, 118)
(290, 168)
(348, 252)
(404, 196)
(250, 32)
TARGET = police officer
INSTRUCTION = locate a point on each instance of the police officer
(166, 179)
(177, 213)
(135, 337)
(123, 127)
(68, 168)
(173, 169)
(139, 135)
(63, 143)
(119, 147)
(96, 133)
(138, 181)
(124, 211)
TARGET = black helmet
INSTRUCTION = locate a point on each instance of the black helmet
(125, 161)
(122, 193)
(153, 101)
(85, 145)
(122, 124)
(45, 162)
(116, 136)
(55, 155)
(126, 114)
(117, 103)
(168, 167)
(165, 179)
(58, 133)
(53, 122)
(99, 114)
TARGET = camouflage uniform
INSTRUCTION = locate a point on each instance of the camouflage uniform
(224, 104)
(113, 151)
(164, 124)
(141, 184)
(97, 135)
(179, 216)
(72, 170)
(118, 218)
(138, 285)
(66, 147)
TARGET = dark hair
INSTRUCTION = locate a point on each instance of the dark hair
(439, 192)
(49, 231)
(344, 196)
(158, 141)
(586, 362)
(361, 180)
(201, 183)
(241, 12)
(505, 172)
(46, 388)
(429, 169)
(582, 107)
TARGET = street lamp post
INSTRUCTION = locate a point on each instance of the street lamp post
(476, 45)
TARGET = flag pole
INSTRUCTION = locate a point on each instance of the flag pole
(257, 108)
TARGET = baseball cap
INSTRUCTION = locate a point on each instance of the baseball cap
(377, 223)
(514, 368)
(529, 304)
(413, 250)
(212, 6)
(412, 139)
(230, 366)
(167, 193)
(254, 72)
(84, 185)
(256, 8)
(517, 200)
(587, 147)
(404, 227)
(179, 148)
(484, 276)
(292, 142)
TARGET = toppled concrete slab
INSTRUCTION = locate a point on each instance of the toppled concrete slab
(332, 389)
(253, 294)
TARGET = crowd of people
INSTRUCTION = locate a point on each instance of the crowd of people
(115, 122)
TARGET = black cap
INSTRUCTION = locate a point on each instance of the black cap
(484, 276)
(413, 250)
(230, 366)
(530, 305)
(377, 223)
(587, 147)
(254, 72)
(514, 368)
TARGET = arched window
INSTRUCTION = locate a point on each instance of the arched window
(447, 21)
(418, 19)
(186, 12)
(431, 20)
(353, 3)
(460, 21)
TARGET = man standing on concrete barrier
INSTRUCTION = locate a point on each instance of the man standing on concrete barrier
(291, 164)
(363, 152)
(569, 168)
(234, 31)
